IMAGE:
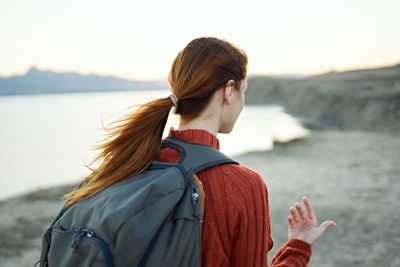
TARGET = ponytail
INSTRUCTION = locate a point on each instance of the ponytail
(198, 71)
(137, 142)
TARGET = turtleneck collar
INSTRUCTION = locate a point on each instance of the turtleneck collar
(198, 136)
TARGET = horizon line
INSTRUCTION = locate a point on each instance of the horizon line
(365, 67)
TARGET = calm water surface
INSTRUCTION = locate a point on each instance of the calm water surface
(46, 139)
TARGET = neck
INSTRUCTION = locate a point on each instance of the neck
(208, 120)
(210, 125)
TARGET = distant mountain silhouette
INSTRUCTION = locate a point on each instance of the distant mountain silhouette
(290, 75)
(36, 81)
(286, 75)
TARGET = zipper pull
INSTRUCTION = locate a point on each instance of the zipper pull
(79, 233)
(88, 232)
(196, 202)
(76, 239)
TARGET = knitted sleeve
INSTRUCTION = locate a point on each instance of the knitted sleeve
(252, 228)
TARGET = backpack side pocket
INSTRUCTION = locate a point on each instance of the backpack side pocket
(78, 247)
(46, 239)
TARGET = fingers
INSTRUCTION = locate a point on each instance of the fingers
(295, 216)
(297, 213)
(325, 225)
(300, 211)
(309, 208)
(291, 222)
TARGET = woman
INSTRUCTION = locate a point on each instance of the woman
(208, 81)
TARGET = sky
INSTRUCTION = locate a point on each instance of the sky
(140, 39)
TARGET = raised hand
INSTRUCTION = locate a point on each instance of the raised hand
(303, 225)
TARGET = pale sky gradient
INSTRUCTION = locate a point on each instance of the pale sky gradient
(140, 39)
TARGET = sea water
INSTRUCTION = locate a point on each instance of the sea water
(46, 139)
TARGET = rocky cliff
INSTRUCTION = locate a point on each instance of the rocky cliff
(367, 99)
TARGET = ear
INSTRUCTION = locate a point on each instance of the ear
(227, 91)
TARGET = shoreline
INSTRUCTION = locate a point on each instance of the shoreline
(347, 175)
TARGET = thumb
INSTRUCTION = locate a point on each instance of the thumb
(325, 225)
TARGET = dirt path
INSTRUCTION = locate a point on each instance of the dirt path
(350, 177)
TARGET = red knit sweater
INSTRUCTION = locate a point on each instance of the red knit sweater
(236, 226)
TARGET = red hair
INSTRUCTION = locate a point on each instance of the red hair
(200, 69)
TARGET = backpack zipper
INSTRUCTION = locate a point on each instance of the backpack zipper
(196, 203)
(80, 233)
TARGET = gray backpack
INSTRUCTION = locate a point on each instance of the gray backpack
(152, 219)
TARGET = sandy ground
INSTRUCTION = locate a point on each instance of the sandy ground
(350, 177)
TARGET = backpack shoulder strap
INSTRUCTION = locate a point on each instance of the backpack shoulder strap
(197, 157)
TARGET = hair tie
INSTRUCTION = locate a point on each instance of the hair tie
(174, 100)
